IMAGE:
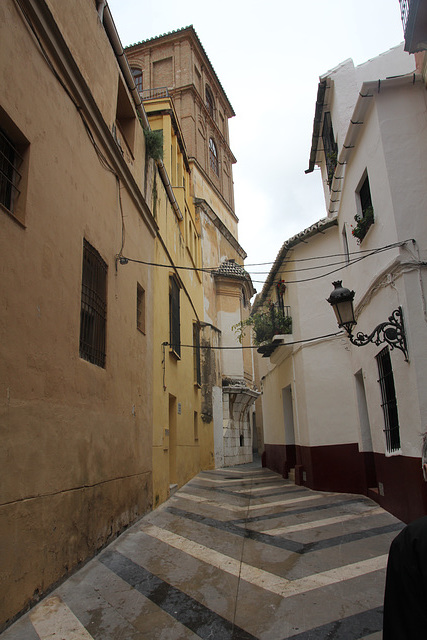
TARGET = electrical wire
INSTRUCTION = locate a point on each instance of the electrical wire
(287, 344)
(343, 265)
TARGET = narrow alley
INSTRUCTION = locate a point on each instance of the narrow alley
(237, 553)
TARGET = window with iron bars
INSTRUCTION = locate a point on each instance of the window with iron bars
(10, 177)
(174, 317)
(389, 401)
(196, 354)
(93, 315)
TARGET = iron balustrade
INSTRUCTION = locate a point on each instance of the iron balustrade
(404, 12)
(153, 94)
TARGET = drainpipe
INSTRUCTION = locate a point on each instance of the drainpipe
(110, 28)
(100, 8)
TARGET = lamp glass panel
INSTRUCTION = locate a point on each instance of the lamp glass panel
(344, 312)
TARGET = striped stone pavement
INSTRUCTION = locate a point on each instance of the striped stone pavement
(236, 554)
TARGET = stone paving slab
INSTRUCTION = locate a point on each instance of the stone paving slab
(236, 554)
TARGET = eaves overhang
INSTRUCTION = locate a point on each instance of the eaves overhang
(318, 113)
(367, 93)
(318, 227)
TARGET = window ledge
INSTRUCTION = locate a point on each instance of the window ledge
(390, 454)
(13, 216)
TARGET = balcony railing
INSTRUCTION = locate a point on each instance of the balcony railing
(404, 12)
(153, 94)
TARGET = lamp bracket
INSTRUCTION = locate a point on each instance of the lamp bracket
(392, 332)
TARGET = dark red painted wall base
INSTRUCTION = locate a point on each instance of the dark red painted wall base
(343, 468)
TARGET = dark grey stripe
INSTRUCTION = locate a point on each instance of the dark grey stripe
(352, 537)
(202, 621)
(292, 512)
(248, 495)
(282, 542)
(354, 627)
(274, 541)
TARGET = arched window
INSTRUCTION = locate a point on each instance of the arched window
(213, 156)
(137, 78)
(210, 104)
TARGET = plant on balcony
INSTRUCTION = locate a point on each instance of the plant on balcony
(154, 143)
(265, 325)
(363, 222)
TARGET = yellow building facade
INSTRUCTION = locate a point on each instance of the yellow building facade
(182, 445)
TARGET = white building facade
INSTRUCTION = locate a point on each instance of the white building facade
(347, 417)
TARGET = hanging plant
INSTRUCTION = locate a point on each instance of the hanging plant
(363, 221)
(154, 143)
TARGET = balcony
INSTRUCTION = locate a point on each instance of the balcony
(154, 94)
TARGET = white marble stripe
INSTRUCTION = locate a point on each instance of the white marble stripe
(260, 578)
(257, 489)
(53, 620)
(314, 524)
(244, 472)
(251, 507)
(230, 480)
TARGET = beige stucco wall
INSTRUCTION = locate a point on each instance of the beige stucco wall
(76, 439)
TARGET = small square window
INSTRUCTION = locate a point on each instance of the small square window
(140, 308)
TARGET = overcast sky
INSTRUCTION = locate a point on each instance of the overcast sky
(268, 57)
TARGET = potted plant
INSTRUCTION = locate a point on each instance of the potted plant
(363, 222)
(265, 324)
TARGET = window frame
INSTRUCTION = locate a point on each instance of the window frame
(197, 370)
(140, 308)
(15, 169)
(213, 156)
(93, 307)
(138, 78)
(210, 102)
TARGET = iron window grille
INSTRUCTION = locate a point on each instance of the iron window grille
(389, 401)
(213, 156)
(174, 317)
(196, 355)
(93, 315)
(10, 177)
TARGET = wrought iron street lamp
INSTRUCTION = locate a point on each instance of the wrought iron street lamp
(392, 332)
